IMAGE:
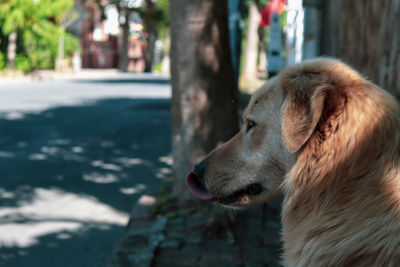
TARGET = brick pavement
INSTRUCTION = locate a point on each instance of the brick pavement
(252, 239)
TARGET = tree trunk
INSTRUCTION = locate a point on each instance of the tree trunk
(262, 61)
(251, 49)
(123, 56)
(12, 47)
(149, 53)
(365, 34)
(151, 30)
(204, 92)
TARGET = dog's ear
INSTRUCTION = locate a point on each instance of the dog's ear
(305, 95)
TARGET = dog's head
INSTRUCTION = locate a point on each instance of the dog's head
(278, 122)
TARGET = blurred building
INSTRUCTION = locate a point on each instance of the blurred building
(98, 30)
(99, 39)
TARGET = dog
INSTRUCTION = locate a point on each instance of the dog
(329, 141)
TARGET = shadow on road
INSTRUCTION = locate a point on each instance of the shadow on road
(70, 176)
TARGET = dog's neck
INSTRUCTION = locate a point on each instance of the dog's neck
(353, 153)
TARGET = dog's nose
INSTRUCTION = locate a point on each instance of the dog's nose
(195, 181)
(199, 170)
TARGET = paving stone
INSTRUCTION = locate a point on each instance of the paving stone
(191, 248)
(196, 238)
(176, 258)
(155, 239)
(273, 255)
(140, 212)
(222, 257)
(178, 224)
(176, 235)
(158, 226)
(135, 239)
(254, 212)
(272, 237)
(256, 255)
(171, 243)
(142, 257)
(274, 265)
(218, 263)
(275, 206)
(254, 265)
(275, 225)
(197, 221)
(218, 246)
(176, 221)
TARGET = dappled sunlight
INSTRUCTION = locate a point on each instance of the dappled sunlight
(21, 144)
(5, 154)
(72, 153)
(106, 166)
(130, 162)
(37, 156)
(73, 174)
(58, 204)
(146, 200)
(100, 178)
(77, 149)
(73, 157)
(166, 159)
(12, 115)
(163, 173)
(60, 142)
(6, 194)
(50, 150)
(133, 190)
(25, 235)
(107, 144)
(53, 211)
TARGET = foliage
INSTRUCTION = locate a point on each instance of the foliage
(22, 63)
(261, 2)
(160, 16)
(3, 61)
(39, 25)
(165, 201)
(157, 67)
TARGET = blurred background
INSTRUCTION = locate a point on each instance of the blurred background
(105, 105)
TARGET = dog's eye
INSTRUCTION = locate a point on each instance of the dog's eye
(249, 125)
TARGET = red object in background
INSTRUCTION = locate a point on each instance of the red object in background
(97, 54)
(273, 6)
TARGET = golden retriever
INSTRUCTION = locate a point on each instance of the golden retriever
(328, 140)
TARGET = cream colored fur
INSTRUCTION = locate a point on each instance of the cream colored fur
(329, 141)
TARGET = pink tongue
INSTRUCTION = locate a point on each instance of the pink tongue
(197, 188)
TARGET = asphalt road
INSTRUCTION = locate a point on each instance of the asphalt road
(75, 156)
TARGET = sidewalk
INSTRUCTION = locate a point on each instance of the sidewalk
(181, 241)
(84, 74)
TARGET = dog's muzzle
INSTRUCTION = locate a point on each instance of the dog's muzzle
(195, 182)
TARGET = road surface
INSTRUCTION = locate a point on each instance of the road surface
(75, 156)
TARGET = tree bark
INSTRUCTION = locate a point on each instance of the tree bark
(151, 30)
(365, 34)
(251, 49)
(12, 47)
(123, 55)
(204, 92)
(262, 62)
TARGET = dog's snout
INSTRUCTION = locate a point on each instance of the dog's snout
(199, 170)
